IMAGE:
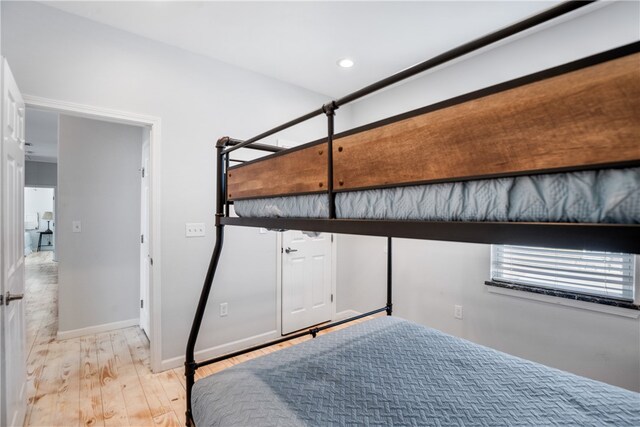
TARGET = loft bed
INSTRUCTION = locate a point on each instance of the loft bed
(549, 159)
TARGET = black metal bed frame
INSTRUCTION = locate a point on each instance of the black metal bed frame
(624, 238)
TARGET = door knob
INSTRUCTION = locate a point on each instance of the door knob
(289, 250)
(10, 297)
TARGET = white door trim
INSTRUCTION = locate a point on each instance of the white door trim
(154, 123)
(279, 283)
(334, 274)
(2, 352)
(334, 279)
(145, 266)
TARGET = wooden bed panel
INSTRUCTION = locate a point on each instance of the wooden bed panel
(586, 117)
(300, 171)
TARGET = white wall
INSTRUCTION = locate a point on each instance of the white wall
(60, 56)
(40, 174)
(431, 277)
(99, 185)
(361, 273)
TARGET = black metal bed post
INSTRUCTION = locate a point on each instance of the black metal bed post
(329, 109)
(224, 176)
(190, 364)
(389, 277)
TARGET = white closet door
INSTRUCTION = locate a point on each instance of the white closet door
(306, 280)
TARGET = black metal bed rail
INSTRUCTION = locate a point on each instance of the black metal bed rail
(275, 130)
(313, 332)
(602, 237)
(231, 142)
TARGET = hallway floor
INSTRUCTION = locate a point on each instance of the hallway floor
(101, 379)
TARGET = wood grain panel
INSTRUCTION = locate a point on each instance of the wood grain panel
(300, 171)
(585, 117)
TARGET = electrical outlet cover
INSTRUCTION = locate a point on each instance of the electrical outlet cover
(457, 311)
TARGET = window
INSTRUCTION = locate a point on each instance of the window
(605, 275)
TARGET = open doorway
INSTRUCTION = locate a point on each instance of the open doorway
(98, 204)
(41, 269)
(150, 128)
(101, 236)
(39, 224)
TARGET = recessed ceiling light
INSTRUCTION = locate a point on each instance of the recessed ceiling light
(345, 63)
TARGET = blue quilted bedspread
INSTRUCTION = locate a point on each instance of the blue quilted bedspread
(393, 372)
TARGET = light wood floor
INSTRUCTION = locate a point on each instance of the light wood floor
(101, 379)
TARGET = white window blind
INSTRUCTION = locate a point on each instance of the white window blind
(604, 274)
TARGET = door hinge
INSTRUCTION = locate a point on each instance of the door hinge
(151, 261)
(141, 303)
(142, 238)
(142, 170)
(331, 297)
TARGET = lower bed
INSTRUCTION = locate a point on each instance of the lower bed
(389, 371)
(603, 196)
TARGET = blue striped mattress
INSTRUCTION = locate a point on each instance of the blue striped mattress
(603, 196)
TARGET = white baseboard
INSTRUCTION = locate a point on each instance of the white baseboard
(75, 333)
(346, 314)
(176, 362)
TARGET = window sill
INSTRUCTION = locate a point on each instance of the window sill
(518, 291)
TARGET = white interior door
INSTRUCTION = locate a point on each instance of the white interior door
(306, 280)
(13, 148)
(144, 240)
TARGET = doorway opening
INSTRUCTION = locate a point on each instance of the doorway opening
(99, 240)
(39, 224)
(83, 232)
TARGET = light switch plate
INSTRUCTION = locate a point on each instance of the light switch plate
(76, 226)
(194, 229)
